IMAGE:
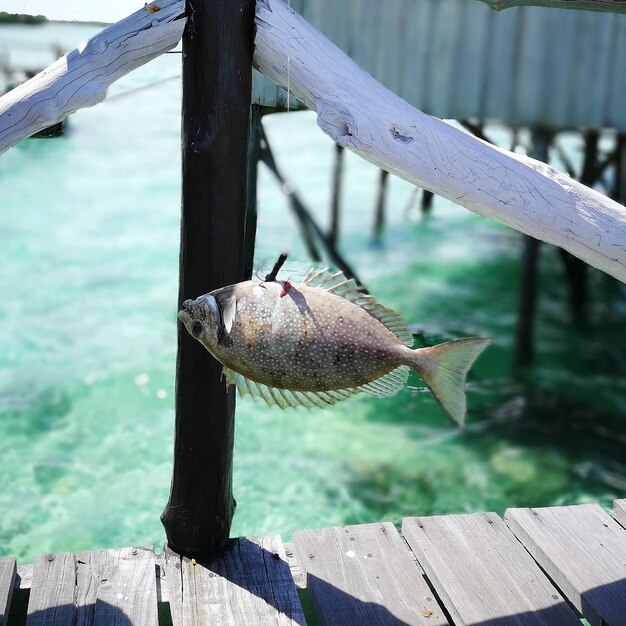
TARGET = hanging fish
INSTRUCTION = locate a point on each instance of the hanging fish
(319, 341)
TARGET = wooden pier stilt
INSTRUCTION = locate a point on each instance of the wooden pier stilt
(217, 82)
(379, 216)
(524, 338)
(309, 229)
(619, 188)
(427, 201)
(530, 261)
(336, 194)
(304, 223)
(576, 270)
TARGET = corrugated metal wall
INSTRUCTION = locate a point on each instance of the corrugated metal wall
(459, 59)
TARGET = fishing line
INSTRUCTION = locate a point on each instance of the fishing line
(286, 245)
(288, 59)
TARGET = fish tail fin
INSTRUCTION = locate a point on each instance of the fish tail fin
(444, 368)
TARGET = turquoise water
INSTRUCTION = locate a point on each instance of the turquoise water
(88, 277)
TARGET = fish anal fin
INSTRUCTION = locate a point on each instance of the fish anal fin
(389, 384)
(285, 398)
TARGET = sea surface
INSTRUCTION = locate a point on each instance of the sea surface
(88, 284)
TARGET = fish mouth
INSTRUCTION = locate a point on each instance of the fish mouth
(198, 310)
(184, 314)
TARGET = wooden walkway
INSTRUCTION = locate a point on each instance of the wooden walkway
(535, 567)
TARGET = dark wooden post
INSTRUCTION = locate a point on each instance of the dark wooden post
(217, 80)
(254, 155)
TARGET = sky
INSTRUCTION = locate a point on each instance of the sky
(76, 10)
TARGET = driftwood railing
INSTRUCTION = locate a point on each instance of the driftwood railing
(357, 113)
(80, 78)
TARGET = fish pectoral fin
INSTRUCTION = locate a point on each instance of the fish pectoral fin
(285, 398)
(229, 310)
(389, 384)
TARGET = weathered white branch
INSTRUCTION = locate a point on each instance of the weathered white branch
(81, 78)
(614, 6)
(359, 113)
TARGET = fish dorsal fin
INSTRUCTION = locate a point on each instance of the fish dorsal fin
(347, 288)
(285, 398)
(336, 282)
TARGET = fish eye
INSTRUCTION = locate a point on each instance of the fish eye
(196, 329)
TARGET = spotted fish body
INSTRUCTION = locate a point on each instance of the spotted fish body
(320, 341)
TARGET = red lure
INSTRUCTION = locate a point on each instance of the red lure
(286, 288)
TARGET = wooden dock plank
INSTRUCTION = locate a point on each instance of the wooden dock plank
(51, 601)
(364, 575)
(583, 550)
(8, 571)
(482, 573)
(116, 587)
(619, 511)
(249, 583)
(94, 589)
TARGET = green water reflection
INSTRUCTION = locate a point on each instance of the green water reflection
(88, 273)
